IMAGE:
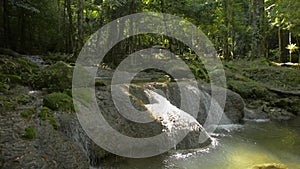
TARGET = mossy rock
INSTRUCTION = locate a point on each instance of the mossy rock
(56, 78)
(270, 166)
(248, 90)
(59, 101)
(16, 70)
(16, 66)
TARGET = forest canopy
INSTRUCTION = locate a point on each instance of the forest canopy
(237, 28)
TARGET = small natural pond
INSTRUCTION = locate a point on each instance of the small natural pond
(237, 147)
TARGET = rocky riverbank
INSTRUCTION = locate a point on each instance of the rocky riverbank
(39, 128)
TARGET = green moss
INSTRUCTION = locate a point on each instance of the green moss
(45, 113)
(29, 133)
(99, 82)
(53, 122)
(59, 101)
(28, 113)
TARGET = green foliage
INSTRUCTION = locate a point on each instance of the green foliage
(68, 92)
(10, 79)
(29, 133)
(28, 113)
(59, 101)
(197, 66)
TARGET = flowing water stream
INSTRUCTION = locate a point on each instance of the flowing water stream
(237, 147)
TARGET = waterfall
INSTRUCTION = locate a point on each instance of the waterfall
(175, 121)
(171, 117)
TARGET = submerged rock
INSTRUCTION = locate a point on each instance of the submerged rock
(270, 166)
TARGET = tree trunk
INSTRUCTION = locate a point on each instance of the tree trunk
(6, 27)
(284, 92)
(70, 27)
(22, 26)
(257, 25)
(59, 18)
(80, 25)
(282, 44)
(226, 33)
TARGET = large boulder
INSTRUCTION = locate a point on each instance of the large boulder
(233, 105)
(171, 122)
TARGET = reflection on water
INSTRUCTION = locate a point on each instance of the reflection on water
(240, 148)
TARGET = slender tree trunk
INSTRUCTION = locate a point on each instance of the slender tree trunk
(279, 44)
(6, 27)
(80, 25)
(290, 43)
(59, 14)
(283, 41)
(257, 25)
(226, 33)
(22, 26)
(70, 27)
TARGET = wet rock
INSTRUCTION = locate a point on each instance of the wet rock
(233, 106)
(270, 166)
